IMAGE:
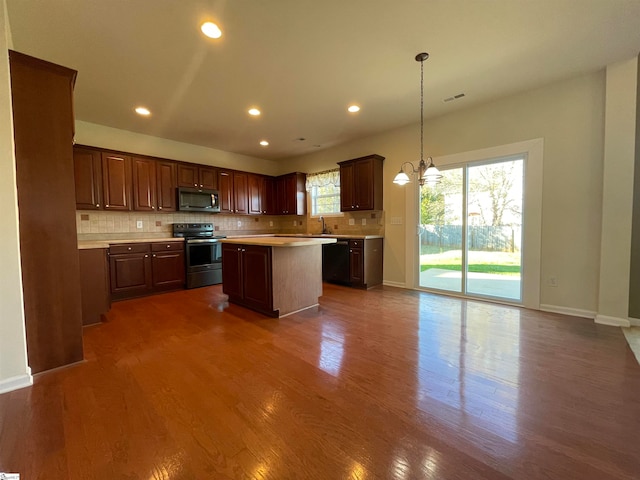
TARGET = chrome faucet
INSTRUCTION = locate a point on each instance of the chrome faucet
(324, 228)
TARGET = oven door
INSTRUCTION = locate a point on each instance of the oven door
(203, 254)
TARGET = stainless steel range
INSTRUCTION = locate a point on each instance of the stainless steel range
(203, 253)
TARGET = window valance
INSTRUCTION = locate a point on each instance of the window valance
(322, 179)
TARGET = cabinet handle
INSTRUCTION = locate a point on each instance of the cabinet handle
(152, 207)
(128, 248)
(243, 250)
(97, 204)
(200, 185)
(154, 255)
(159, 208)
(146, 256)
(107, 206)
(350, 251)
(168, 246)
(195, 184)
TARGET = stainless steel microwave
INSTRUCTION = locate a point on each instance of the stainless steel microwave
(193, 200)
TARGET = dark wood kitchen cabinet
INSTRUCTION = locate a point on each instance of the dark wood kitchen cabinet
(43, 128)
(256, 193)
(116, 178)
(361, 183)
(167, 266)
(94, 284)
(197, 176)
(268, 197)
(291, 194)
(233, 192)
(246, 276)
(130, 270)
(365, 262)
(87, 173)
(138, 269)
(166, 183)
(143, 174)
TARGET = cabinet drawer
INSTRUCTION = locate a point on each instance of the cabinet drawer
(128, 248)
(356, 243)
(167, 246)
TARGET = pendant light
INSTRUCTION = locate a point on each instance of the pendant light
(427, 172)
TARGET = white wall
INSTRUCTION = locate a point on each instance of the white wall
(14, 371)
(116, 139)
(617, 198)
(569, 116)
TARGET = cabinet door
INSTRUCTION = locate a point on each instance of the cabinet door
(255, 187)
(144, 184)
(116, 178)
(347, 195)
(225, 191)
(232, 270)
(94, 284)
(270, 198)
(168, 270)
(240, 193)
(188, 175)
(208, 178)
(281, 196)
(130, 275)
(166, 186)
(363, 184)
(256, 272)
(356, 266)
(88, 178)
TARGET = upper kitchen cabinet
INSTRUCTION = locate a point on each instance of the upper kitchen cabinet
(197, 176)
(291, 194)
(87, 167)
(361, 183)
(261, 192)
(116, 178)
(42, 104)
(166, 183)
(144, 184)
(233, 191)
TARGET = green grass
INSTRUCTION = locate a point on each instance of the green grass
(501, 263)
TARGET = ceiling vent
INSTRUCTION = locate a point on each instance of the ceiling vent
(455, 97)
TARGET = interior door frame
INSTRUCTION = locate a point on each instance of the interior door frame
(532, 151)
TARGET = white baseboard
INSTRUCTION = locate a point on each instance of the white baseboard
(573, 312)
(394, 284)
(613, 321)
(15, 383)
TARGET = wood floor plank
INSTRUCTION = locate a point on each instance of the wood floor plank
(385, 383)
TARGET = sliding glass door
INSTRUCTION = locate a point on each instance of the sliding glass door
(471, 230)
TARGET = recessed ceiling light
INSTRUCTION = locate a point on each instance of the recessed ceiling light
(254, 111)
(143, 111)
(211, 30)
(264, 143)
(353, 108)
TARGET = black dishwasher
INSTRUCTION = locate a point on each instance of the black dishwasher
(335, 262)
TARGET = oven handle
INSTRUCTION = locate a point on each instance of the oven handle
(202, 240)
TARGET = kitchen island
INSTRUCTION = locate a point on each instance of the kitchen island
(276, 276)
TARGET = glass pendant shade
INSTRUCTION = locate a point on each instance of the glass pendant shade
(401, 178)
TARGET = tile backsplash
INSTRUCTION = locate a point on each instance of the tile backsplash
(101, 225)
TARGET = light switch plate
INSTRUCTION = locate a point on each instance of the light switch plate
(364, 221)
(352, 221)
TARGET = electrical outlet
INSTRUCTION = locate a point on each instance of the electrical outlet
(364, 221)
(239, 223)
(139, 224)
(352, 221)
(295, 224)
(271, 223)
(553, 281)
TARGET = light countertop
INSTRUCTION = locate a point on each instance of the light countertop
(328, 235)
(278, 241)
(89, 244)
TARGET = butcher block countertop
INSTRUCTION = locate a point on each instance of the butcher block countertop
(278, 241)
(89, 244)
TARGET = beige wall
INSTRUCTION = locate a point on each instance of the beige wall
(619, 149)
(115, 139)
(568, 115)
(13, 355)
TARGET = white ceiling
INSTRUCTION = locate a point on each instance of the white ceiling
(303, 61)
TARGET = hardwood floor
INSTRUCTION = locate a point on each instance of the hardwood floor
(385, 383)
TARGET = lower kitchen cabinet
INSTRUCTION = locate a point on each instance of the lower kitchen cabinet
(94, 284)
(139, 269)
(365, 262)
(246, 276)
(167, 266)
